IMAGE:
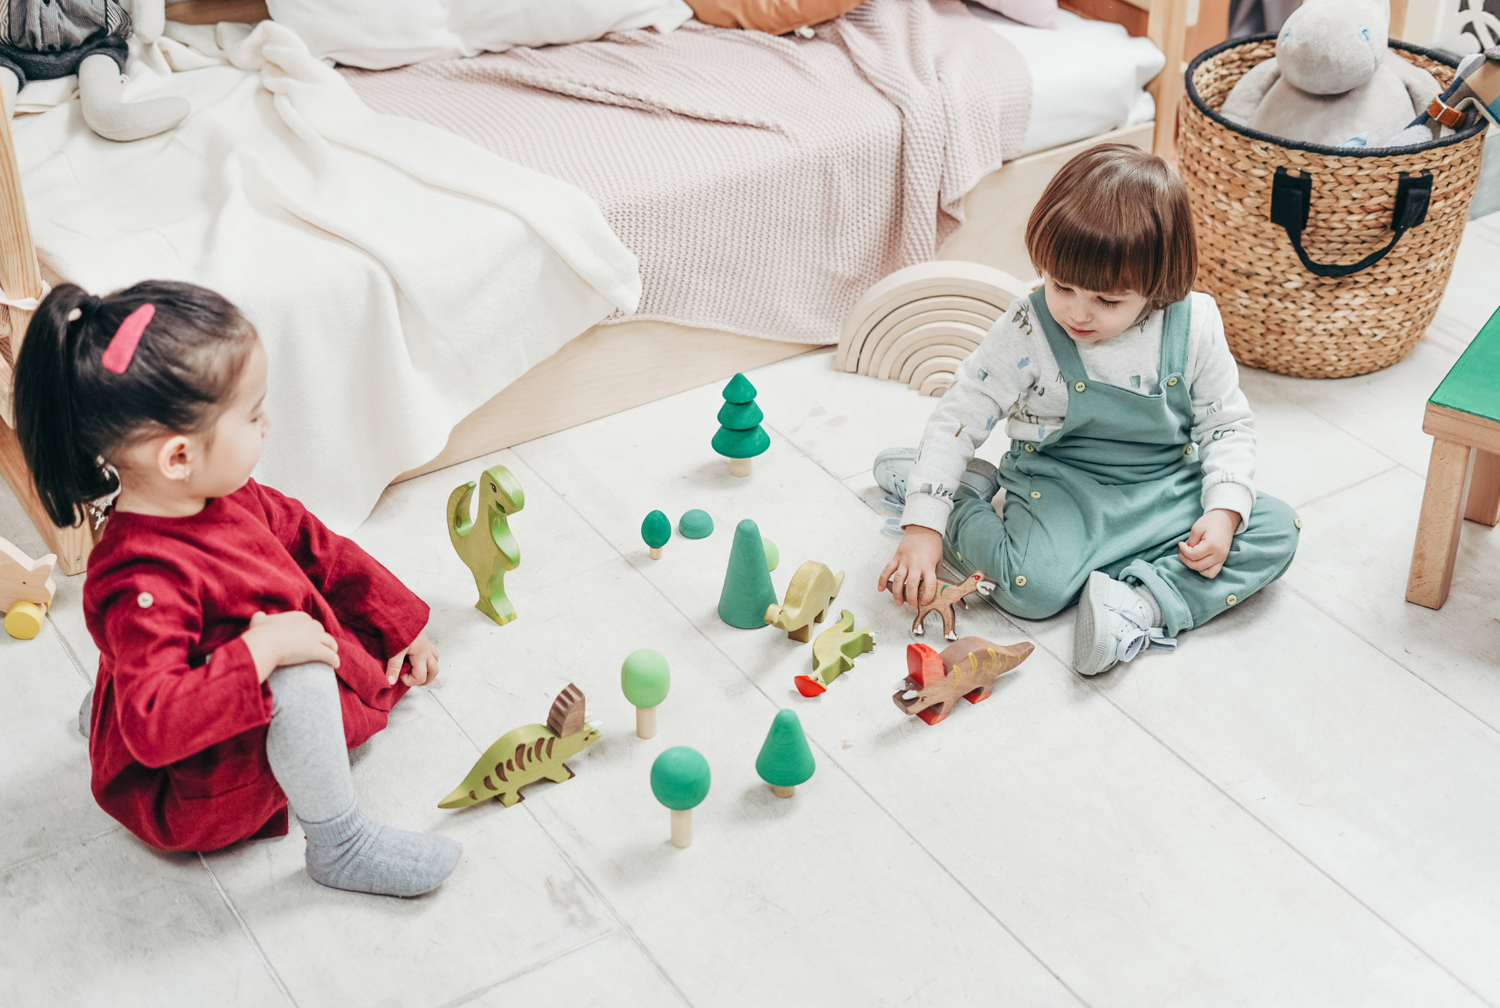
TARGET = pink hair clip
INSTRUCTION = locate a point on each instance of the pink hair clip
(121, 349)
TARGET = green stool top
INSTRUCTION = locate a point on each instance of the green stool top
(1473, 385)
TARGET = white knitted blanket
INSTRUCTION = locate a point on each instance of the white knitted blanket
(763, 182)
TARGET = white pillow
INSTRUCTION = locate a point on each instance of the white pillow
(379, 34)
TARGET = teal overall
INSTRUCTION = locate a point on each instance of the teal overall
(1115, 489)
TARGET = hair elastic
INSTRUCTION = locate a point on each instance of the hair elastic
(121, 349)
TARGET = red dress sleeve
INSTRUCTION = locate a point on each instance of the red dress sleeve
(368, 599)
(167, 708)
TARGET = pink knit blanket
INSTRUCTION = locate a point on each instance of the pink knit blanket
(764, 182)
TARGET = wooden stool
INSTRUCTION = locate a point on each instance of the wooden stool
(1463, 478)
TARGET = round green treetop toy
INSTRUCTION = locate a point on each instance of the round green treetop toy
(785, 760)
(740, 437)
(656, 530)
(679, 779)
(645, 679)
(695, 524)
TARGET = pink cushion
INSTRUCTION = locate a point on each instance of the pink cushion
(1038, 13)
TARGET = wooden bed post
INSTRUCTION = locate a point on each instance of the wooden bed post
(1167, 27)
(21, 277)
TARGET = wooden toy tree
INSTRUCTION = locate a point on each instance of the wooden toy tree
(785, 760)
(645, 679)
(656, 530)
(679, 779)
(695, 524)
(747, 589)
(740, 436)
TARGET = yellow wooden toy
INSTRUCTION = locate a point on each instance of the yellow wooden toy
(26, 590)
(812, 588)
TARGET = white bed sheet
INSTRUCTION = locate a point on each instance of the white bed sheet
(398, 275)
(1086, 76)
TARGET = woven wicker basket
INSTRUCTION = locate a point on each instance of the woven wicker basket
(1279, 313)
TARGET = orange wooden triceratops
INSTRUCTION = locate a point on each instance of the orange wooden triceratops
(966, 668)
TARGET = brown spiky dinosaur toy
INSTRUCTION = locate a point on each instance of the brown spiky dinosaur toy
(967, 668)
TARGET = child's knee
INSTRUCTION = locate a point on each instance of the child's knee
(1041, 596)
(1275, 526)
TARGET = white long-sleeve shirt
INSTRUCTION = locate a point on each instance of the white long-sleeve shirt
(1014, 375)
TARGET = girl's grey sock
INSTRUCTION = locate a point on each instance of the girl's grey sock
(352, 852)
(345, 849)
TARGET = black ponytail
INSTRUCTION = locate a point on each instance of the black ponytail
(73, 415)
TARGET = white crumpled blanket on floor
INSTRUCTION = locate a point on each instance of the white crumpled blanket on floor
(399, 275)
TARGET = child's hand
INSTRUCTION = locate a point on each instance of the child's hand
(1207, 545)
(288, 638)
(911, 576)
(424, 662)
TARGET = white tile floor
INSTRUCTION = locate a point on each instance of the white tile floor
(1300, 807)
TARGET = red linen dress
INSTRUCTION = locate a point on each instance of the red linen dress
(178, 737)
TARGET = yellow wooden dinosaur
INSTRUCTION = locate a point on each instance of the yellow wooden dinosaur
(808, 596)
(492, 550)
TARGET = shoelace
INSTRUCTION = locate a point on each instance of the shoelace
(1137, 638)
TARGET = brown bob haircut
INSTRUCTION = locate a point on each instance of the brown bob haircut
(1116, 219)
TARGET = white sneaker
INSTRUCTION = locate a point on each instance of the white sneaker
(1112, 626)
(894, 464)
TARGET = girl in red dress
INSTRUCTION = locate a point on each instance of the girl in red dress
(243, 647)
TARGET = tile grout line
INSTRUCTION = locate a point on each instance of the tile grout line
(72, 655)
(260, 953)
(1357, 483)
(1395, 660)
(464, 999)
(842, 769)
(7, 869)
(1265, 825)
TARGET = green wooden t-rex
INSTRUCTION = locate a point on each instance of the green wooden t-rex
(492, 550)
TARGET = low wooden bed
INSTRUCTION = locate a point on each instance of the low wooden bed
(614, 367)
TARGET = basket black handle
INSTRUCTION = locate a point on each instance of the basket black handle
(1291, 197)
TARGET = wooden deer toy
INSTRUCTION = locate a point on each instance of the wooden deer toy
(26, 589)
(947, 597)
(486, 545)
(812, 589)
(528, 754)
(967, 668)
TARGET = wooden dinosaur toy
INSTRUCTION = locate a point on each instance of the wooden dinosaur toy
(813, 588)
(833, 654)
(947, 597)
(528, 754)
(966, 668)
(26, 590)
(492, 550)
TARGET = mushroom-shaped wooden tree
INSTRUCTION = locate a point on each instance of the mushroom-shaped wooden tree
(656, 530)
(740, 436)
(679, 779)
(785, 760)
(645, 679)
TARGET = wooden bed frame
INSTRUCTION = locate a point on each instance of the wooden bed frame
(657, 359)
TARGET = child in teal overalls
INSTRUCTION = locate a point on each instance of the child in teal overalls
(1129, 480)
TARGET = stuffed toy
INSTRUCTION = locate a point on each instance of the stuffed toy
(46, 39)
(1475, 91)
(1333, 80)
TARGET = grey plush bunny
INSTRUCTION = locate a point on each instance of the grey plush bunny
(45, 39)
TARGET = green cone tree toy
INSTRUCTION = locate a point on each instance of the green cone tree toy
(656, 530)
(785, 759)
(740, 436)
(645, 679)
(747, 589)
(679, 779)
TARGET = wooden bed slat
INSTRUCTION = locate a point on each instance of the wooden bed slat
(214, 11)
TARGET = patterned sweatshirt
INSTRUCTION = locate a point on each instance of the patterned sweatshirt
(1014, 376)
